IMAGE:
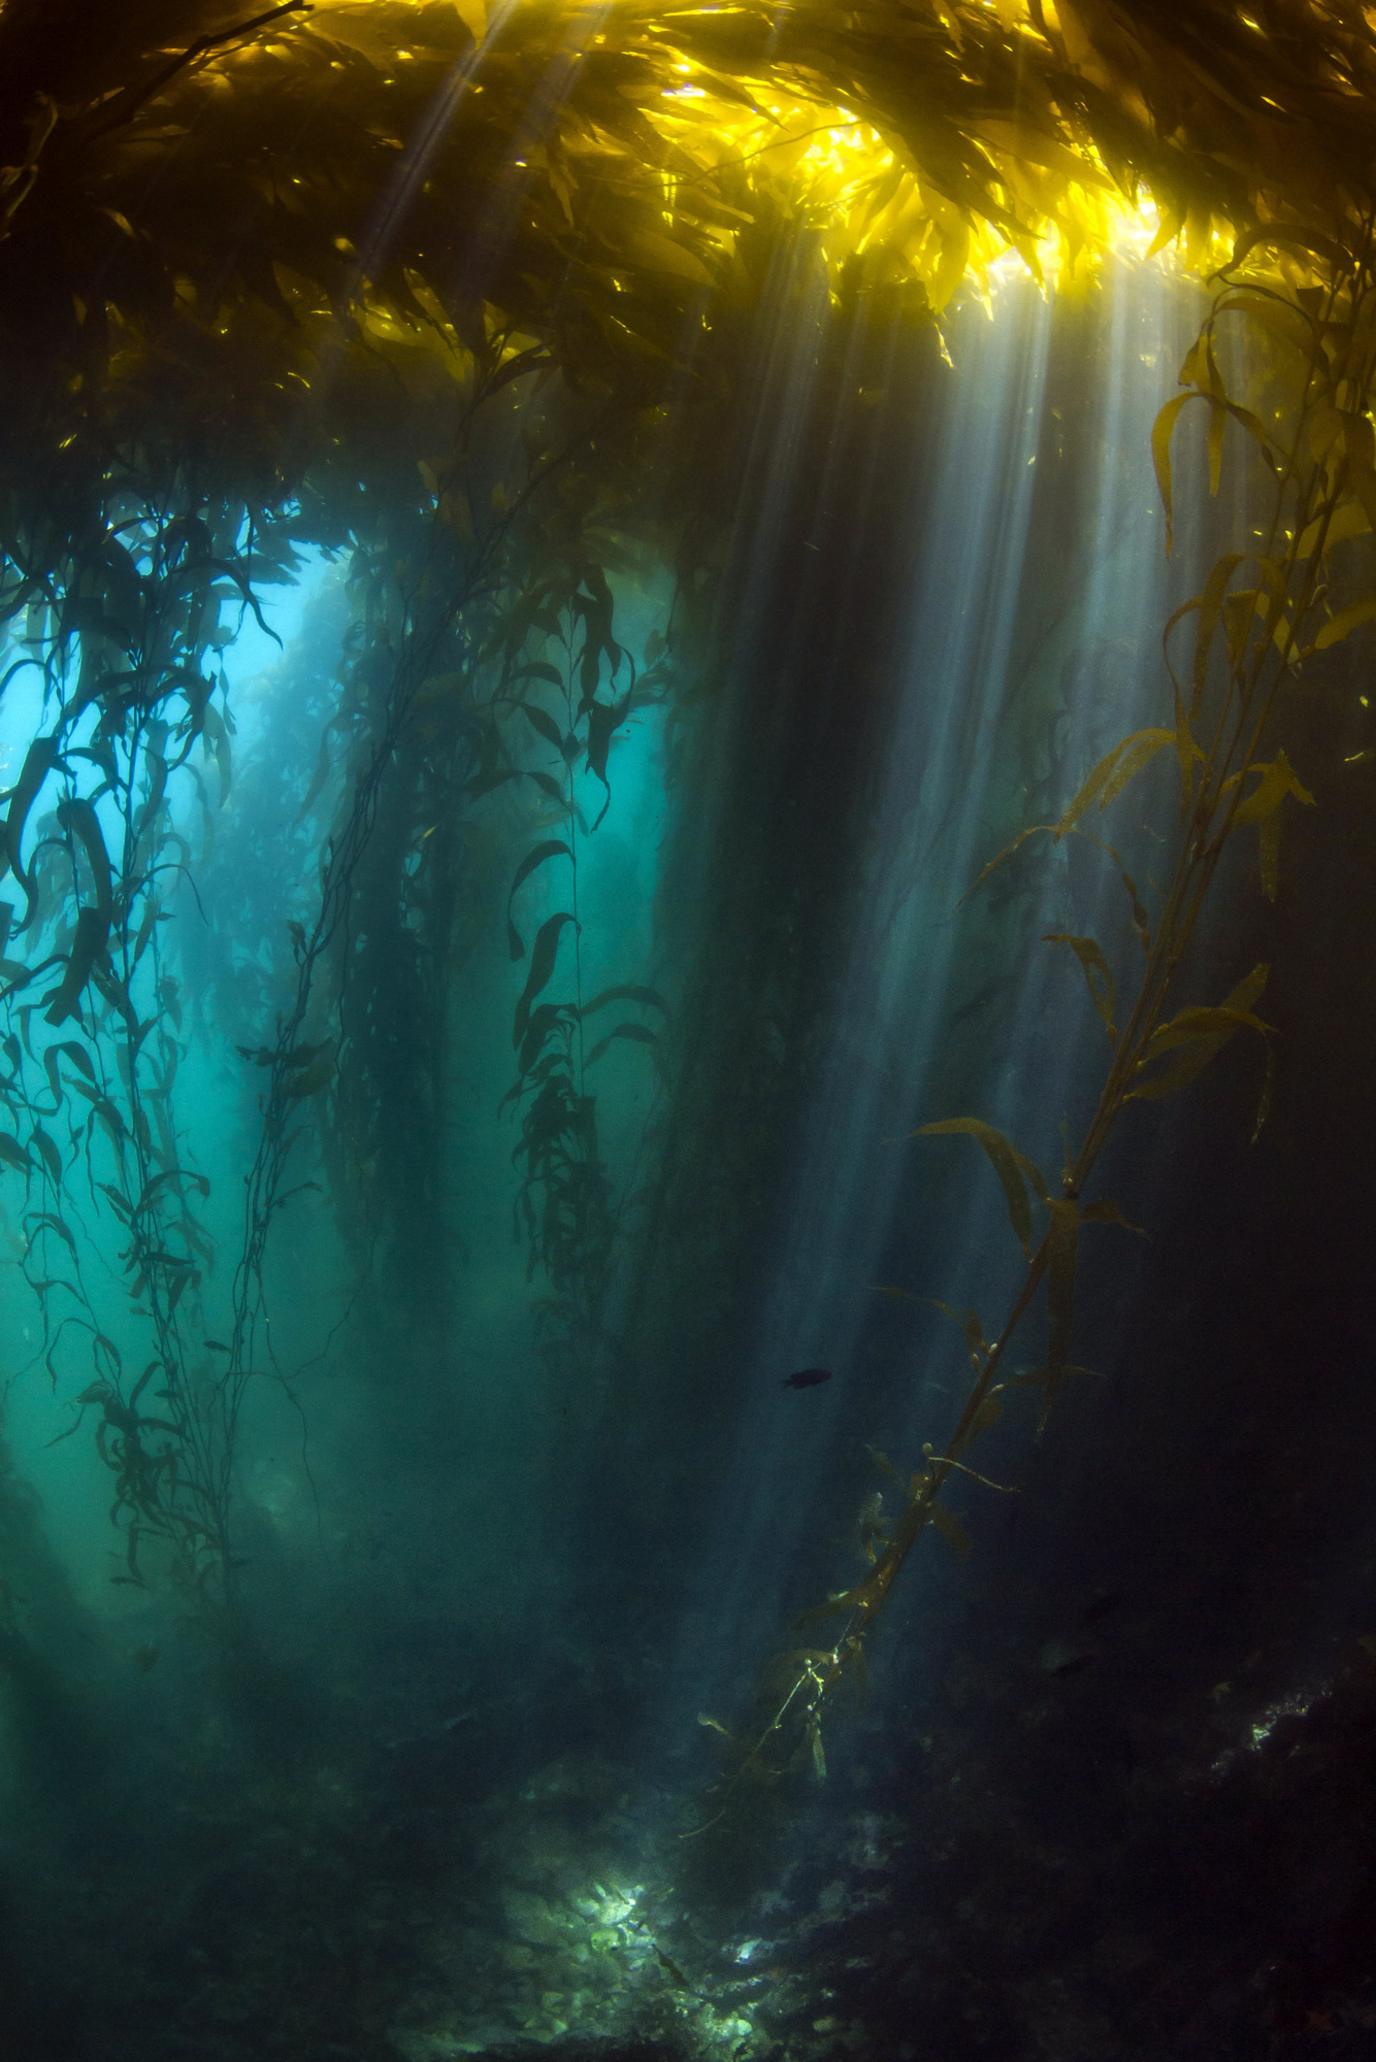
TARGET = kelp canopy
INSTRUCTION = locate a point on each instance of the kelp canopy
(219, 229)
(247, 254)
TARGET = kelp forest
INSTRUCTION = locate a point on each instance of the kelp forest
(688, 828)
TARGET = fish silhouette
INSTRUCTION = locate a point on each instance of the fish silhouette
(806, 1378)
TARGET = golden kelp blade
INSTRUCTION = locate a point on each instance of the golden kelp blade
(1017, 1174)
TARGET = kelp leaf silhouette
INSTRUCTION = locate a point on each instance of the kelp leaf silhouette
(1113, 773)
(551, 848)
(543, 954)
(1017, 1174)
(1097, 972)
(1196, 1035)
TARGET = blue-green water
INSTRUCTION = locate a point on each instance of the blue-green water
(424, 1756)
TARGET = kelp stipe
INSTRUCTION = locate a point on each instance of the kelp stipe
(1261, 615)
(139, 585)
(419, 741)
(149, 581)
(564, 1210)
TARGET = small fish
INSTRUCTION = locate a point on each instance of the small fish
(806, 1378)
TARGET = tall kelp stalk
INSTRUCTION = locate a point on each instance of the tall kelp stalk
(453, 607)
(1283, 373)
(124, 611)
(557, 652)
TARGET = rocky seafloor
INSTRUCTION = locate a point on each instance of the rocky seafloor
(1040, 1865)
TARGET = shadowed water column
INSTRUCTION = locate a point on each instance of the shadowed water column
(906, 810)
(1015, 637)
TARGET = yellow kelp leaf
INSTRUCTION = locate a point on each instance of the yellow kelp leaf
(952, 263)
(1140, 920)
(1346, 621)
(951, 1529)
(1272, 582)
(474, 16)
(1199, 368)
(989, 1412)
(1312, 242)
(881, 191)
(976, 1345)
(661, 254)
(1033, 830)
(1203, 1023)
(1015, 1171)
(1276, 779)
(1114, 771)
(1247, 606)
(1188, 754)
(1241, 610)
(1220, 409)
(1022, 143)
(1108, 1212)
(1281, 319)
(1323, 426)
(1359, 439)
(1172, 222)
(1051, 1381)
(1333, 526)
(1262, 807)
(1272, 452)
(1161, 431)
(1196, 1035)
(1359, 469)
(1218, 417)
(1208, 603)
(1096, 970)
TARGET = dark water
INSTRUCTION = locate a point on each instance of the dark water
(430, 1776)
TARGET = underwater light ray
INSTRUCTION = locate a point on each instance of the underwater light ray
(834, 1219)
(1113, 623)
(416, 162)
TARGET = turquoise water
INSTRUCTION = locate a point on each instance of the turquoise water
(413, 1758)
